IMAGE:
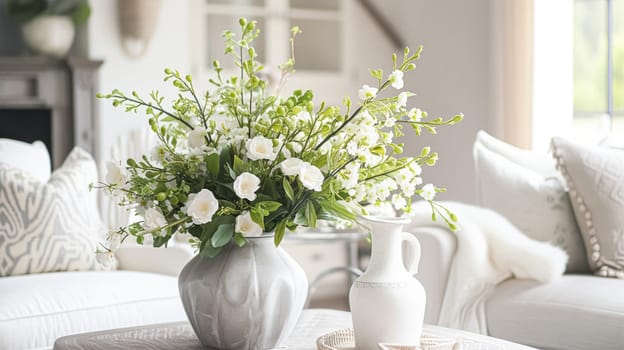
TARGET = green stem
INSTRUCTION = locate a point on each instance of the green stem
(142, 103)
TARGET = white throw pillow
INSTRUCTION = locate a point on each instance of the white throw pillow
(49, 226)
(33, 158)
(595, 176)
(526, 188)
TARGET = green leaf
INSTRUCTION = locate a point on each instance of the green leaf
(280, 231)
(239, 239)
(223, 235)
(290, 193)
(269, 206)
(225, 158)
(336, 209)
(238, 165)
(212, 163)
(195, 231)
(208, 251)
(257, 216)
(310, 213)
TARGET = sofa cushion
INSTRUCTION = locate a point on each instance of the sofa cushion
(525, 188)
(37, 309)
(573, 312)
(595, 176)
(33, 158)
(49, 226)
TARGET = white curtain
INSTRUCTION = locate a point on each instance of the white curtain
(512, 30)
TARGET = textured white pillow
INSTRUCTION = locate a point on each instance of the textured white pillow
(49, 226)
(33, 158)
(595, 176)
(530, 194)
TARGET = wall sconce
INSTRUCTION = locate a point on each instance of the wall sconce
(137, 23)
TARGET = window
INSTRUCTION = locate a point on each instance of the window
(598, 69)
(320, 49)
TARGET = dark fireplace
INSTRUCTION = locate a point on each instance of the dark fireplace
(50, 100)
(27, 125)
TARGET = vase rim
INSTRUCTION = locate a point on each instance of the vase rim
(386, 219)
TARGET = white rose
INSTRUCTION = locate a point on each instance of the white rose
(154, 219)
(367, 92)
(291, 166)
(196, 137)
(202, 206)
(311, 177)
(246, 185)
(246, 226)
(115, 174)
(260, 147)
(396, 79)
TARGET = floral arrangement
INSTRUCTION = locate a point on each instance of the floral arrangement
(235, 161)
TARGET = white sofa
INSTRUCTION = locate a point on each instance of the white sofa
(36, 309)
(576, 311)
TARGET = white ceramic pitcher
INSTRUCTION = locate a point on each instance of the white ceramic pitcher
(387, 302)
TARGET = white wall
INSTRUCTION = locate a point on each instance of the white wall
(169, 47)
(452, 76)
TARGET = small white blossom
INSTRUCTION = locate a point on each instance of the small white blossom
(389, 122)
(197, 137)
(246, 185)
(246, 226)
(428, 192)
(296, 147)
(402, 99)
(116, 175)
(399, 202)
(396, 79)
(415, 168)
(260, 147)
(350, 175)
(352, 148)
(311, 177)
(202, 206)
(367, 92)
(415, 115)
(325, 148)
(291, 166)
(157, 153)
(154, 219)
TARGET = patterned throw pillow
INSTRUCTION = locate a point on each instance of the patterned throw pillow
(525, 188)
(595, 176)
(53, 226)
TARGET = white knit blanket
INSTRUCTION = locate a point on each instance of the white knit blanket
(489, 250)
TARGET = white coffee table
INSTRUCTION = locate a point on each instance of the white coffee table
(311, 324)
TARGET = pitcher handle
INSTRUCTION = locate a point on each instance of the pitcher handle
(411, 252)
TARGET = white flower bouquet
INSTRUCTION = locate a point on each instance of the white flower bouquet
(235, 161)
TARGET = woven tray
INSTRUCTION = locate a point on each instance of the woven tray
(343, 339)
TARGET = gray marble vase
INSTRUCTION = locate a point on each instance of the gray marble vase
(245, 298)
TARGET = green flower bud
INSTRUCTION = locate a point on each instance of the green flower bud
(242, 21)
(168, 71)
(161, 196)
